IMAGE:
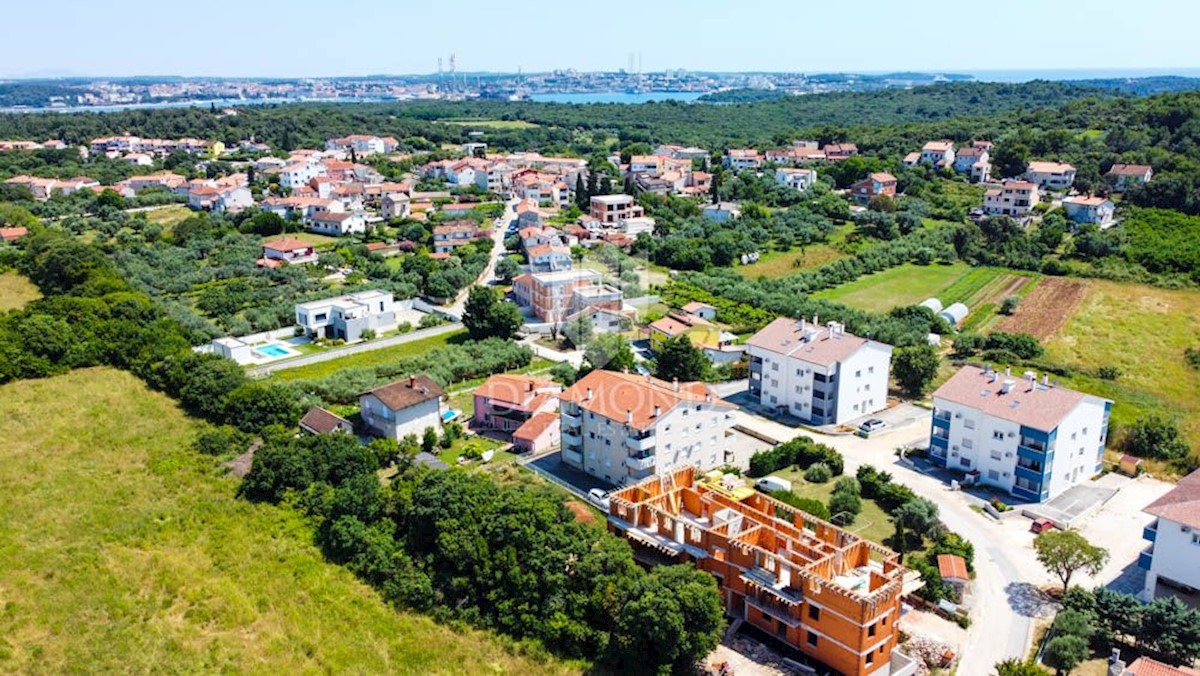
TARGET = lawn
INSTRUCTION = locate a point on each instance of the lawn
(492, 124)
(15, 291)
(1143, 331)
(872, 523)
(122, 551)
(906, 284)
(372, 358)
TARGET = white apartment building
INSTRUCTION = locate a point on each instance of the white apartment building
(1051, 175)
(796, 179)
(299, 174)
(1173, 556)
(739, 159)
(938, 153)
(623, 427)
(611, 209)
(1032, 439)
(1015, 199)
(821, 375)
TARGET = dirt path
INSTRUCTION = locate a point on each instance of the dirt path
(1047, 308)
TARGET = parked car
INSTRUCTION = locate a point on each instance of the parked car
(770, 484)
(872, 425)
(1040, 525)
(599, 497)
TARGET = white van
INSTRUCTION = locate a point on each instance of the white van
(770, 484)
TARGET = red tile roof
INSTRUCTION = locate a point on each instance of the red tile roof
(952, 567)
(616, 395)
(320, 421)
(1144, 666)
(9, 234)
(409, 392)
(1181, 504)
(535, 426)
(512, 389)
(286, 244)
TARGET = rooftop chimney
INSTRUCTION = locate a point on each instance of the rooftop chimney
(992, 375)
(412, 381)
(1008, 370)
(530, 385)
(1046, 379)
(708, 398)
(675, 384)
(657, 411)
(1007, 387)
(628, 416)
(588, 396)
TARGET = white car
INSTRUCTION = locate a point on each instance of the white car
(599, 498)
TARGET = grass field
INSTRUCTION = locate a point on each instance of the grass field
(122, 551)
(493, 124)
(168, 216)
(16, 291)
(906, 284)
(372, 358)
(1143, 331)
(778, 263)
(871, 523)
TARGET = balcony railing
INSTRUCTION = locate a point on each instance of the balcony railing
(569, 420)
(640, 462)
(640, 443)
(573, 457)
(569, 439)
(1150, 532)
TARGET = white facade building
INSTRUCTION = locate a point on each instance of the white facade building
(623, 427)
(796, 179)
(1051, 175)
(346, 317)
(1032, 439)
(821, 375)
(1174, 552)
(404, 407)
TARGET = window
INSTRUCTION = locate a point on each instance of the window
(812, 639)
(858, 373)
(871, 630)
(993, 475)
(995, 455)
(774, 366)
(1196, 538)
(870, 369)
(814, 613)
(968, 423)
(870, 658)
(997, 434)
(967, 443)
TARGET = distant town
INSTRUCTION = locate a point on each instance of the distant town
(444, 84)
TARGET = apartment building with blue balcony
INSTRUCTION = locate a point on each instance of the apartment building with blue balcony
(1030, 438)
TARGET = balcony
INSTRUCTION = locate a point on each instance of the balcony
(1146, 558)
(1029, 474)
(640, 442)
(1150, 532)
(569, 439)
(640, 462)
(1032, 445)
(572, 457)
(779, 612)
(569, 420)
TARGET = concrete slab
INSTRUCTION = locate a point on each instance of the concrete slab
(1072, 504)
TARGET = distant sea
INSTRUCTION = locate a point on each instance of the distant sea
(615, 97)
(1078, 74)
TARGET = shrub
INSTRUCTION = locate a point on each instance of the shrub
(808, 505)
(845, 503)
(1192, 356)
(1156, 437)
(1108, 372)
(818, 473)
(801, 451)
(847, 484)
(1009, 305)
(223, 440)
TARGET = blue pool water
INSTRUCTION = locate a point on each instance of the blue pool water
(273, 351)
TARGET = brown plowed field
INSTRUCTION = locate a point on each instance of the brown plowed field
(1047, 308)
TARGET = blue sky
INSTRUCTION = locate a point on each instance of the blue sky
(358, 37)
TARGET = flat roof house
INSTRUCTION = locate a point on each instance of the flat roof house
(821, 375)
(1033, 439)
(623, 427)
(404, 407)
(1174, 537)
(346, 317)
(825, 592)
(610, 209)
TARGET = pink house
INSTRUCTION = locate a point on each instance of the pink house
(540, 433)
(509, 404)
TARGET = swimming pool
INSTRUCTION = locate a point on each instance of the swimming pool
(273, 351)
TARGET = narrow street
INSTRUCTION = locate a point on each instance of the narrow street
(499, 228)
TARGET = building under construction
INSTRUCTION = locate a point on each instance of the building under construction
(822, 590)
